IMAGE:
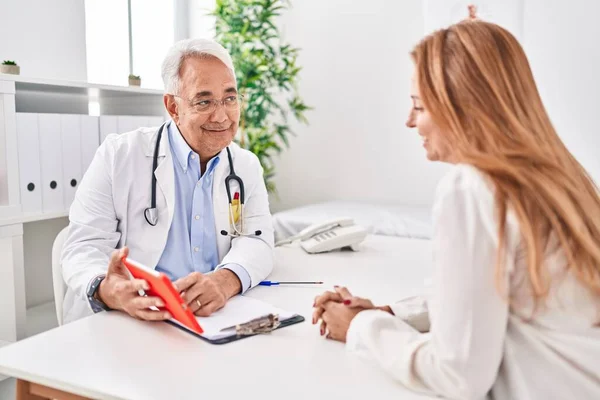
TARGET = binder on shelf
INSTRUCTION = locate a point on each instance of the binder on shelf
(108, 125)
(70, 132)
(51, 162)
(90, 140)
(127, 123)
(28, 152)
(155, 121)
(139, 121)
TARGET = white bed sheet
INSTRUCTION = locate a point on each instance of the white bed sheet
(403, 221)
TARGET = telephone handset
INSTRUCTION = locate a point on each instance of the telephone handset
(329, 235)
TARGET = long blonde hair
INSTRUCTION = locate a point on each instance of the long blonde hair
(475, 80)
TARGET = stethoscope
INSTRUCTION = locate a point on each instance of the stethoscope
(151, 213)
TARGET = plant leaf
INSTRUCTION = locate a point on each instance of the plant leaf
(267, 75)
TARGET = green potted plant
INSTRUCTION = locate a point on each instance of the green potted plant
(10, 67)
(134, 80)
(267, 74)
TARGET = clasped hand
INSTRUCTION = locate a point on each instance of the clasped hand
(336, 310)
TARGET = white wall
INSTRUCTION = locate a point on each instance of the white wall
(561, 40)
(46, 38)
(356, 74)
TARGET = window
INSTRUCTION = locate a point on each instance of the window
(108, 40)
(152, 35)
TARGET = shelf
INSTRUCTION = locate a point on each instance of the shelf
(77, 87)
(32, 217)
(8, 212)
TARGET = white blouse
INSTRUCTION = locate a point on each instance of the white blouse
(480, 345)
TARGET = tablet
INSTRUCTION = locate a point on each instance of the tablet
(161, 286)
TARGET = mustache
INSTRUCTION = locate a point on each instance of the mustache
(216, 127)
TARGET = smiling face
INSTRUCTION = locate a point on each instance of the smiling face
(434, 140)
(203, 80)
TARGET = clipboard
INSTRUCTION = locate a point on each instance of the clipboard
(238, 336)
(185, 320)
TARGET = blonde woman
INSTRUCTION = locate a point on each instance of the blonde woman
(515, 306)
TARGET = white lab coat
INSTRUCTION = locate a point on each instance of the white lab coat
(479, 344)
(108, 213)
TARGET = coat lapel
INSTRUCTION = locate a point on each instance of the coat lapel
(166, 189)
(220, 205)
(164, 176)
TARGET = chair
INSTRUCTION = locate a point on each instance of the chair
(57, 279)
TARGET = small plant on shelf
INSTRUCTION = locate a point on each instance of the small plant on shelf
(9, 67)
(134, 80)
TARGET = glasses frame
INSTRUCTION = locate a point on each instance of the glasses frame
(214, 103)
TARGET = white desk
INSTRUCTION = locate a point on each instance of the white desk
(110, 355)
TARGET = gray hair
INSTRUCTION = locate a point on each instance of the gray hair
(186, 48)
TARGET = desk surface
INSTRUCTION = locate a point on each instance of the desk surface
(112, 356)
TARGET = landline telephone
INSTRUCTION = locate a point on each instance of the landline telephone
(329, 235)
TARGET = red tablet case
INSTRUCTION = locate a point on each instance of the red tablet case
(161, 286)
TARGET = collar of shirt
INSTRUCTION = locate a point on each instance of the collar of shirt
(184, 153)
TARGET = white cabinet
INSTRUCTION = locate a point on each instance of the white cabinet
(47, 142)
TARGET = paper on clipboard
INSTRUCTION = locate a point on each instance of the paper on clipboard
(238, 310)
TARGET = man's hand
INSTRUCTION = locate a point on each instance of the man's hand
(119, 292)
(205, 294)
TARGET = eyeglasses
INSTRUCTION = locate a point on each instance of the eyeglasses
(208, 106)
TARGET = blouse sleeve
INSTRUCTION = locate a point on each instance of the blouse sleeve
(461, 355)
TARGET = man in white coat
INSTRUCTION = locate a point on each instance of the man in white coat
(188, 233)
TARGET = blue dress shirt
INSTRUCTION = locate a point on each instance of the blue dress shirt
(192, 242)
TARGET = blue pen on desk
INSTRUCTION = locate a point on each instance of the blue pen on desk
(276, 283)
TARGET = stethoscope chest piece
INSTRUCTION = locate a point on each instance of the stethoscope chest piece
(151, 215)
